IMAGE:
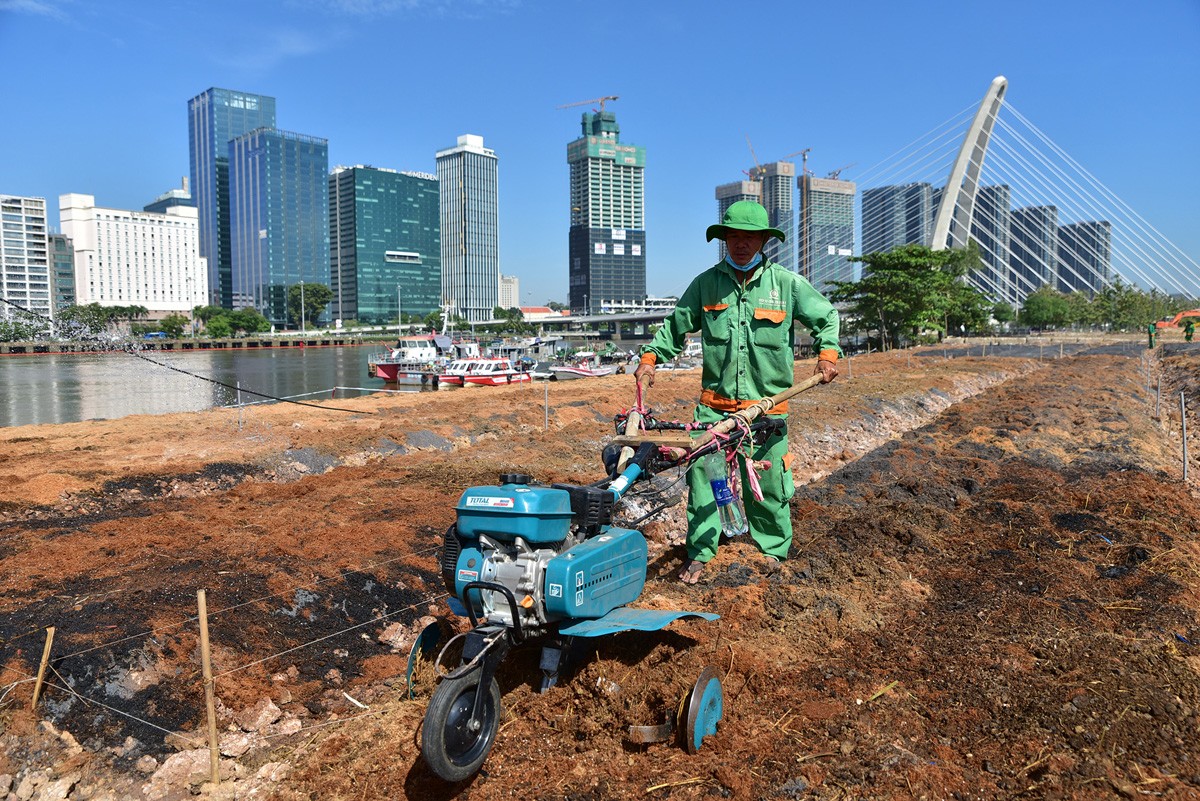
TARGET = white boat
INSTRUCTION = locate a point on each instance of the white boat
(564, 372)
(483, 372)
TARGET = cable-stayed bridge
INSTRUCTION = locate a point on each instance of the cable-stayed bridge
(1040, 218)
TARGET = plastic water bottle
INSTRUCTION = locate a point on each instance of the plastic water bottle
(729, 506)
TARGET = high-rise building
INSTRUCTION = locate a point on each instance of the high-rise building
(468, 179)
(1034, 247)
(896, 215)
(510, 292)
(135, 258)
(776, 180)
(1084, 256)
(727, 195)
(826, 230)
(992, 230)
(62, 271)
(216, 116)
(384, 244)
(278, 218)
(24, 261)
(607, 239)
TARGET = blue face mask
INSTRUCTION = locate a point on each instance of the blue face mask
(757, 260)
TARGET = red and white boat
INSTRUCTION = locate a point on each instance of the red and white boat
(417, 359)
(483, 372)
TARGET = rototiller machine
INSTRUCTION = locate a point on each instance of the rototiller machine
(528, 563)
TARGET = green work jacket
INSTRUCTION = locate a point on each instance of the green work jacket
(748, 332)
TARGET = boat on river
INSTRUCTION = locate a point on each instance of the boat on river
(585, 364)
(418, 359)
(483, 372)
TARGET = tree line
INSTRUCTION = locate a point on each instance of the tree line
(913, 294)
(93, 321)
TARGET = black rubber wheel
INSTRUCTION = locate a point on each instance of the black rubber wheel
(451, 747)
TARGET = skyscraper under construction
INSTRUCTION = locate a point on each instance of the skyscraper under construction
(607, 249)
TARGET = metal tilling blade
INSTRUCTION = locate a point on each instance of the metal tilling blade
(705, 707)
(652, 734)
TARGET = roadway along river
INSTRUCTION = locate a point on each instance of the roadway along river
(65, 388)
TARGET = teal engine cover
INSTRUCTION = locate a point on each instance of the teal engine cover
(597, 575)
(539, 515)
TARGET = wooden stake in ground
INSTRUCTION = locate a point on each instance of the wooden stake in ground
(37, 686)
(214, 753)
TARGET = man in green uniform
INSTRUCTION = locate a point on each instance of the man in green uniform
(744, 308)
(1189, 329)
(1151, 330)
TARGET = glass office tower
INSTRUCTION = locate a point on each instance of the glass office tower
(215, 116)
(896, 215)
(62, 272)
(992, 229)
(1034, 247)
(826, 235)
(607, 239)
(385, 244)
(468, 179)
(278, 218)
(1084, 256)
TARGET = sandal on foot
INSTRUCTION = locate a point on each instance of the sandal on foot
(691, 571)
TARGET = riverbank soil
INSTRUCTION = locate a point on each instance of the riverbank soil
(994, 592)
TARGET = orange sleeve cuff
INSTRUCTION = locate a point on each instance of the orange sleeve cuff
(829, 355)
(650, 358)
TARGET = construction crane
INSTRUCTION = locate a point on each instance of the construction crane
(600, 100)
(758, 171)
(835, 173)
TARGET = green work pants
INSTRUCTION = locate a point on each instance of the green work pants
(770, 519)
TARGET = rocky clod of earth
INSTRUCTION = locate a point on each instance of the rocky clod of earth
(993, 593)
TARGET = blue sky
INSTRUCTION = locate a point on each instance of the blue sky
(95, 95)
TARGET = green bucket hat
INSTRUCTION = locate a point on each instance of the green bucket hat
(745, 215)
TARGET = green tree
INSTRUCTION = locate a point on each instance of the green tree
(909, 289)
(218, 327)
(1125, 307)
(83, 322)
(1045, 307)
(967, 309)
(433, 320)
(512, 321)
(1003, 313)
(127, 314)
(206, 313)
(23, 326)
(173, 325)
(248, 320)
(316, 298)
(1081, 311)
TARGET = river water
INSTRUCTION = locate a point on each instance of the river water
(66, 388)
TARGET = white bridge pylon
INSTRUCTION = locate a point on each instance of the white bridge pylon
(958, 201)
